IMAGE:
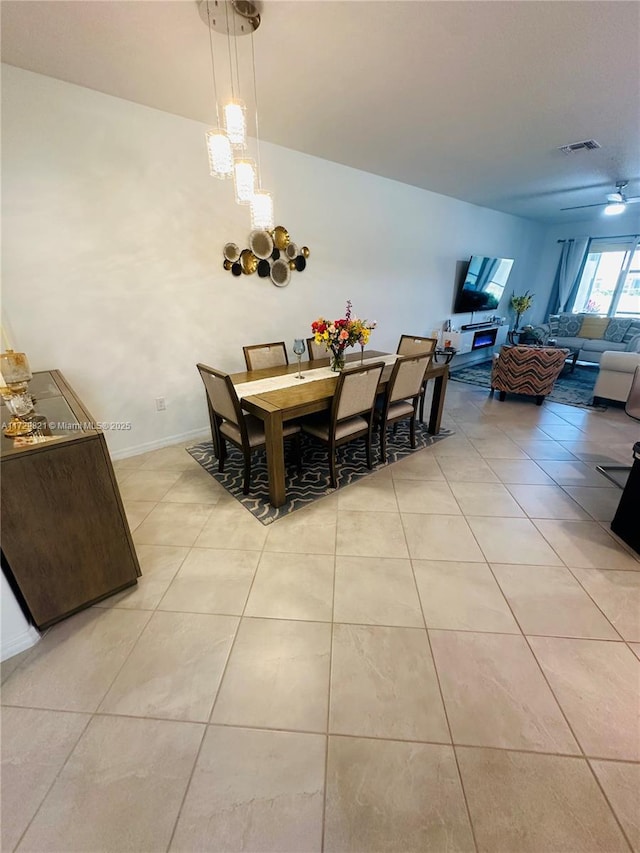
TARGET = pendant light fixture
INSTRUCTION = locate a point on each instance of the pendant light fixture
(244, 179)
(218, 145)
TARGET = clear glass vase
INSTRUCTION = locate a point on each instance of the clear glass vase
(337, 360)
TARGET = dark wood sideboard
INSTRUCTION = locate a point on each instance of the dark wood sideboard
(65, 538)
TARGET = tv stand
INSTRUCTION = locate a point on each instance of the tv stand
(476, 337)
(485, 325)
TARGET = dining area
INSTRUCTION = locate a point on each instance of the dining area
(321, 402)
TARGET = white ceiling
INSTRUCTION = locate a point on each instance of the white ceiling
(469, 99)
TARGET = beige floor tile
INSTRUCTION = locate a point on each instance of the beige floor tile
(617, 594)
(440, 537)
(35, 745)
(9, 665)
(586, 545)
(534, 803)
(383, 684)
(230, 525)
(524, 471)
(547, 502)
(544, 449)
(172, 458)
(463, 597)
(159, 565)
(419, 466)
(293, 586)
(486, 499)
(370, 534)
(635, 648)
(73, 665)
(563, 432)
(455, 445)
(374, 493)
(121, 789)
(374, 591)
(147, 485)
(254, 790)
(304, 532)
(173, 524)
(385, 795)
(498, 448)
(512, 540)
(175, 668)
(601, 504)
(621, 783)
(137, 511)
(548, 600)
(195, 486)
(474, 470)
(574, 474)
(128, 464)
(481, 430)
(597, 684)
(426, 496)
(495, 694)
(212, 581)
(277, 676)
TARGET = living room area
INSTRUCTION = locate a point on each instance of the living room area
(442, 653)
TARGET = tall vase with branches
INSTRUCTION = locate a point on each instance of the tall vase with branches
(520, 305)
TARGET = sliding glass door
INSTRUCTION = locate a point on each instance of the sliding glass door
(610, 279)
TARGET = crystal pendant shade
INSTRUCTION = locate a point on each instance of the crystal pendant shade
(235, 122)
(244, 172)
(262, 211)
(220, 154)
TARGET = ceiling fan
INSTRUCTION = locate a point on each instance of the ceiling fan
(615, 203)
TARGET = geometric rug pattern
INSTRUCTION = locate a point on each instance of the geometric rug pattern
(313, 482)
(573, 389)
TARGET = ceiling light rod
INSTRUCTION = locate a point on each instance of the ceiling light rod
(213, 66)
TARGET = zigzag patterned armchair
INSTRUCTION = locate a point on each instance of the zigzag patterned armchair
(527, 370)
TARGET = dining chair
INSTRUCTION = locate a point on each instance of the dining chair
(415, 345)
(258, 356)
(230, 423)
(351, 414)
(402, 396)
(315, 350)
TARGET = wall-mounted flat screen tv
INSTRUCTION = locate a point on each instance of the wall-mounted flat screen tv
(483, 284)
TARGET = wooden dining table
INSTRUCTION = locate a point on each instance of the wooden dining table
(276, 407)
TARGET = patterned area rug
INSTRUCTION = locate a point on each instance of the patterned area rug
(313, 482)
(574, 389)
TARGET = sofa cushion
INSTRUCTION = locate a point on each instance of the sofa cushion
(595, 345)
(573, 343)
(569, 325)
(553, 324)
(632, 331)
(616, 329)
(593, 327)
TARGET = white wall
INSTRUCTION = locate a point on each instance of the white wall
(113, 234)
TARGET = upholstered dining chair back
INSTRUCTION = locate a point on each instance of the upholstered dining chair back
(527, 370)
(259, 356)
(356, 391)
(221, 394)
(315, 350)
(414, 345)
(632, 406)
(407, 377)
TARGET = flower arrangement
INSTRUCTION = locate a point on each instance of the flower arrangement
(337, 335)
(520, 304)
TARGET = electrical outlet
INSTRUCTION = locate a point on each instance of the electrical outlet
(161, 404)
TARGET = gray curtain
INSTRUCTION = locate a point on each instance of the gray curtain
(565, 285)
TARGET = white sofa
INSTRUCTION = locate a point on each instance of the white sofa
(615, 335)
(615, 376)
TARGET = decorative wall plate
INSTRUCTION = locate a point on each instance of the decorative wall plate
(236, 269)
(280, 273)
(300, 262)
(291, 251)
(261, 244)
(231, 252)
(264, 269)
(281, 237)
(248, 262)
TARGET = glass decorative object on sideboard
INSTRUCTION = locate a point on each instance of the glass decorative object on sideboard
(15, 375)
(299, 347)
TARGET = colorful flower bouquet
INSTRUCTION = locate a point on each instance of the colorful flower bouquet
(337, 335)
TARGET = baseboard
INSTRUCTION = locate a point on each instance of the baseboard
(158, 443)
(20, 643)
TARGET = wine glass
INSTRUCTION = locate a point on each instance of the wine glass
(299, 347)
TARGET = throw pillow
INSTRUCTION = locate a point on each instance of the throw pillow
(632, 331)
(616, 330)
(569, 325)
(593, 327)
(553, 324)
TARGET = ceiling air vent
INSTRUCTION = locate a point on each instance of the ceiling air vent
(587, 145)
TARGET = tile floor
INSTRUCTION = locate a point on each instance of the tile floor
(444, 656)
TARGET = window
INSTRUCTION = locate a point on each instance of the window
(609, 282)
